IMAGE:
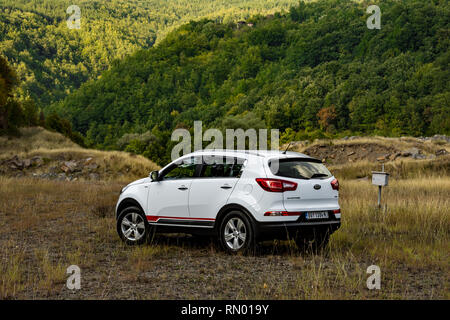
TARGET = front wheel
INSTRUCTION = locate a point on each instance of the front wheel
(236, 233)
(132, 226)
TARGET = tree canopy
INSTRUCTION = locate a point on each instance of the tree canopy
(52, 60)
(315, 70)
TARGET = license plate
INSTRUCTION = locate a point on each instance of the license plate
(317, 215)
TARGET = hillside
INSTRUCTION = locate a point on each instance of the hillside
(52, 60)
(39, 153)
(314, 72)
(404, 158)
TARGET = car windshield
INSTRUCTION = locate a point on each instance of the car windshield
(299, 169)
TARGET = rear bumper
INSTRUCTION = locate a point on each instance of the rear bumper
(282, 230)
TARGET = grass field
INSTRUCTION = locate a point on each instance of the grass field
(46, 226)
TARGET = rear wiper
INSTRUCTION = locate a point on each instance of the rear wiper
(317, 175)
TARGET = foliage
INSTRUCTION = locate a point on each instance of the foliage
(55, 123)
(282, 71)
(13, 113)
(52, 60)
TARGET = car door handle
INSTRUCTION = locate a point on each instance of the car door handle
(182, 187)
(226, 186)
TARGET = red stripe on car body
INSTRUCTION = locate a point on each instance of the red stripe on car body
(156, 218)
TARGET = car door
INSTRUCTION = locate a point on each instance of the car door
(211, 190)
(168, 197)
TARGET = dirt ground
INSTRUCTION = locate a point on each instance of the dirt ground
(46, 226)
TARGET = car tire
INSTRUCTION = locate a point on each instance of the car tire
(132, 226)
(314, 241)
(236, 233)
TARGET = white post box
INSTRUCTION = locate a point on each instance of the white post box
(380, 178)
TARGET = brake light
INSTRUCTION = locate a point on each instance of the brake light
(281, 213)
(335, 184)
(276, 185)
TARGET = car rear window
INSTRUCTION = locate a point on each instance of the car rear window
(299, 168)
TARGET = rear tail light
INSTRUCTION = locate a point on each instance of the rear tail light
(335, 184)
(337, 211)
(281, 213)
(276, 185)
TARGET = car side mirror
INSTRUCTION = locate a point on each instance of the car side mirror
(154, 175)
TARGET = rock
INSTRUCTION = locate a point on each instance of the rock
(395, 155)
(27, 163)
(438, 137)
(88, 160)
(405, 154)
(15, 163)
(413, 152)
(92, 166)
(350, 153)
(441, 152)
(53, 170)
(37, 161)
(69, 166)
(94, 176)
(384, 157)
(418, 156)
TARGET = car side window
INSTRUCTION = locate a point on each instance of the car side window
(184, 170)
(221, 167)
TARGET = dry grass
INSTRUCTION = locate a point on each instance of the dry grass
(402, 143)
(46, 226)
(54, 148)
(398, 169)
(34, 138)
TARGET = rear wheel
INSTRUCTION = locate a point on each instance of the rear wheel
(132, 226)
(314, 241)
(236, 233)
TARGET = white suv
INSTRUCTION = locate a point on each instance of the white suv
(239, 196)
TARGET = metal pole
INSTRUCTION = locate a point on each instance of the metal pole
(379, 196)
(379, 188)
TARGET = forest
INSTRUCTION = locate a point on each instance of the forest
(314, 71)
(52, 60)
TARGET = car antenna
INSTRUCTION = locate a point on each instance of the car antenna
(284, 152)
